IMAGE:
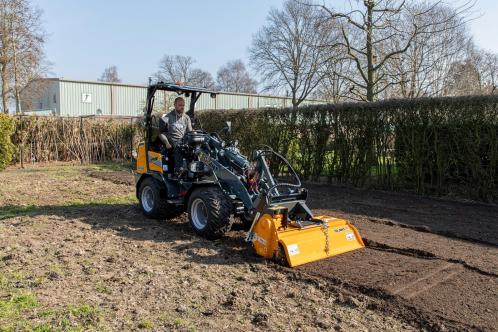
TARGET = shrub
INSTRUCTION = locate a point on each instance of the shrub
(6, 146)
(82, 139)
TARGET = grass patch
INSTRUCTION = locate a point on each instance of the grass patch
(85, 312)
(89, 270)
(53, 169)
(113, 167)
(82, 317)
(44, 328)
(103, 289)
(7, 279)
(126, 199)
(146, 324)
(12, 308)
(12, 211)
(54, 272)
(175, 323)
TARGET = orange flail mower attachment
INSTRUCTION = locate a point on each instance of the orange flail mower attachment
(306, 242)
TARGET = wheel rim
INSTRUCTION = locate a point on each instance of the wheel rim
(147, 199)
(199, 214)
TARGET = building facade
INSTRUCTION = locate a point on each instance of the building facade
(63, 97)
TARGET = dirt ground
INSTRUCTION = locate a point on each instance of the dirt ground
(76, 253)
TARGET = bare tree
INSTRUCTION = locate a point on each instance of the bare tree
(463, 79)
(21, 49)
(110, 74)
(487, 66)
(201, 78)
(233, 77)
(180, 68)
(476, 74)
(336, 86)
(286, 50)
(369, 30)
(423, 69)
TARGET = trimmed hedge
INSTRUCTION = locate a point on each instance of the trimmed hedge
(430, 145)
(6, 146)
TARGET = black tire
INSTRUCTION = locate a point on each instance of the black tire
(217, 209)
(152, 197)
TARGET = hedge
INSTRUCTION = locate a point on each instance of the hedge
(431, 145)
(43, 139)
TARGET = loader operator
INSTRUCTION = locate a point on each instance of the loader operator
(178, 123)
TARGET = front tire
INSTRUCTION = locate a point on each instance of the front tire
(210, 212)
(154, 204)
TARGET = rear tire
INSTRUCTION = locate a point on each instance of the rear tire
(152, 198)
(210, 212)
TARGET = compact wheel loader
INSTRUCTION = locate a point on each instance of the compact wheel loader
(217, 183)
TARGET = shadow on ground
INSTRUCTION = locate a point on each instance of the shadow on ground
(126, 220)
(470, 221)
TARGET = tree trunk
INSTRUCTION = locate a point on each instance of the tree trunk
(5, 89)
(370, 67)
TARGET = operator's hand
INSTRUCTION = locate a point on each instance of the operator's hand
(168, 146)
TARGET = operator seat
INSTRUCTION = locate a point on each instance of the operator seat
(160, 127)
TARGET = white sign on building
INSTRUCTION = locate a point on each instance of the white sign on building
(86, 98)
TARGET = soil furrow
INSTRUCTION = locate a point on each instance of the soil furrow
(424, 255)
(427, 229)
(378, 299)
(472, 221)
(465, 297)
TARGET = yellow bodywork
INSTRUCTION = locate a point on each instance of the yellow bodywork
(307, 244)
(155, 161)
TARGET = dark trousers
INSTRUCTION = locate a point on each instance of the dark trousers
(177, 159)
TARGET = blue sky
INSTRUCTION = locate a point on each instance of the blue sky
(84, 37)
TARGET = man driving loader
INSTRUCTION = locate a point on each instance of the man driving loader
(221, 183)
(177, 125)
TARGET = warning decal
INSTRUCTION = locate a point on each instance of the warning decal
(350, 236)
(293, 249)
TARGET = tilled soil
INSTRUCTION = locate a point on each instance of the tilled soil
(94, 264)
(439, 256)
(429, 264)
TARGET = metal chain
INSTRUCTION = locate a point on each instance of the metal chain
(325, 228)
